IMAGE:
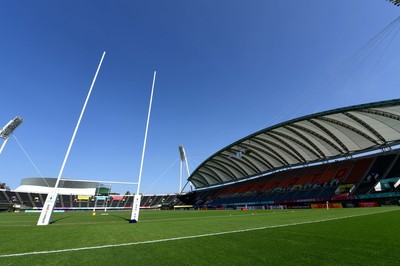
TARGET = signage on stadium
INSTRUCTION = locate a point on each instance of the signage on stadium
(101, 197)
(367, 204)
(83, 197)
(323, 206)
(117, 197)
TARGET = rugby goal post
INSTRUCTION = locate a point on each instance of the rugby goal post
(137, 198)
(48, 207)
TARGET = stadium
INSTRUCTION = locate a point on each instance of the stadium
(346, 157)
(76, 195)
(332, 161)
(318, 189)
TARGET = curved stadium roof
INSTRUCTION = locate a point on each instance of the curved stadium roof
(66, 187)
(308, 139)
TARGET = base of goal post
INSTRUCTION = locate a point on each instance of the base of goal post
(48, 208)
(135, 209)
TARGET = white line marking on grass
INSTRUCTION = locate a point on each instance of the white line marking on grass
(182, 237)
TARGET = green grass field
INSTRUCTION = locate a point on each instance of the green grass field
(360, 236)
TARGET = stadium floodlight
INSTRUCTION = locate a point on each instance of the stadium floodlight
(182, 153)
(395, 2)
(8, 129)
(183, 161)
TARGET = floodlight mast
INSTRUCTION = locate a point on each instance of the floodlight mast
(8, 129)
(182, 154)
(51, 198)
(3, 145)
(137, 197)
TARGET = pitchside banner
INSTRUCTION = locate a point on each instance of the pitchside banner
(48, 208)
(330, 205)
(368, 204)
(135, 209)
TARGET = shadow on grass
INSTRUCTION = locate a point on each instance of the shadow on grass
(119, 217)
(59, 219)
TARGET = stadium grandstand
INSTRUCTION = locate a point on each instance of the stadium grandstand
(347, 157)
(75, 195)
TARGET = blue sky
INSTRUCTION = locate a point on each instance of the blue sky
(225, 69)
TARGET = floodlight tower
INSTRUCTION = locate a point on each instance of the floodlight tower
(183, 161)
(8, 129)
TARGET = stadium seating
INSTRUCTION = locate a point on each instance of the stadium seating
(354, 176)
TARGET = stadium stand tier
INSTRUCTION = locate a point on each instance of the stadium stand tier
(12, 201)
(76, 195)
(348, 182)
